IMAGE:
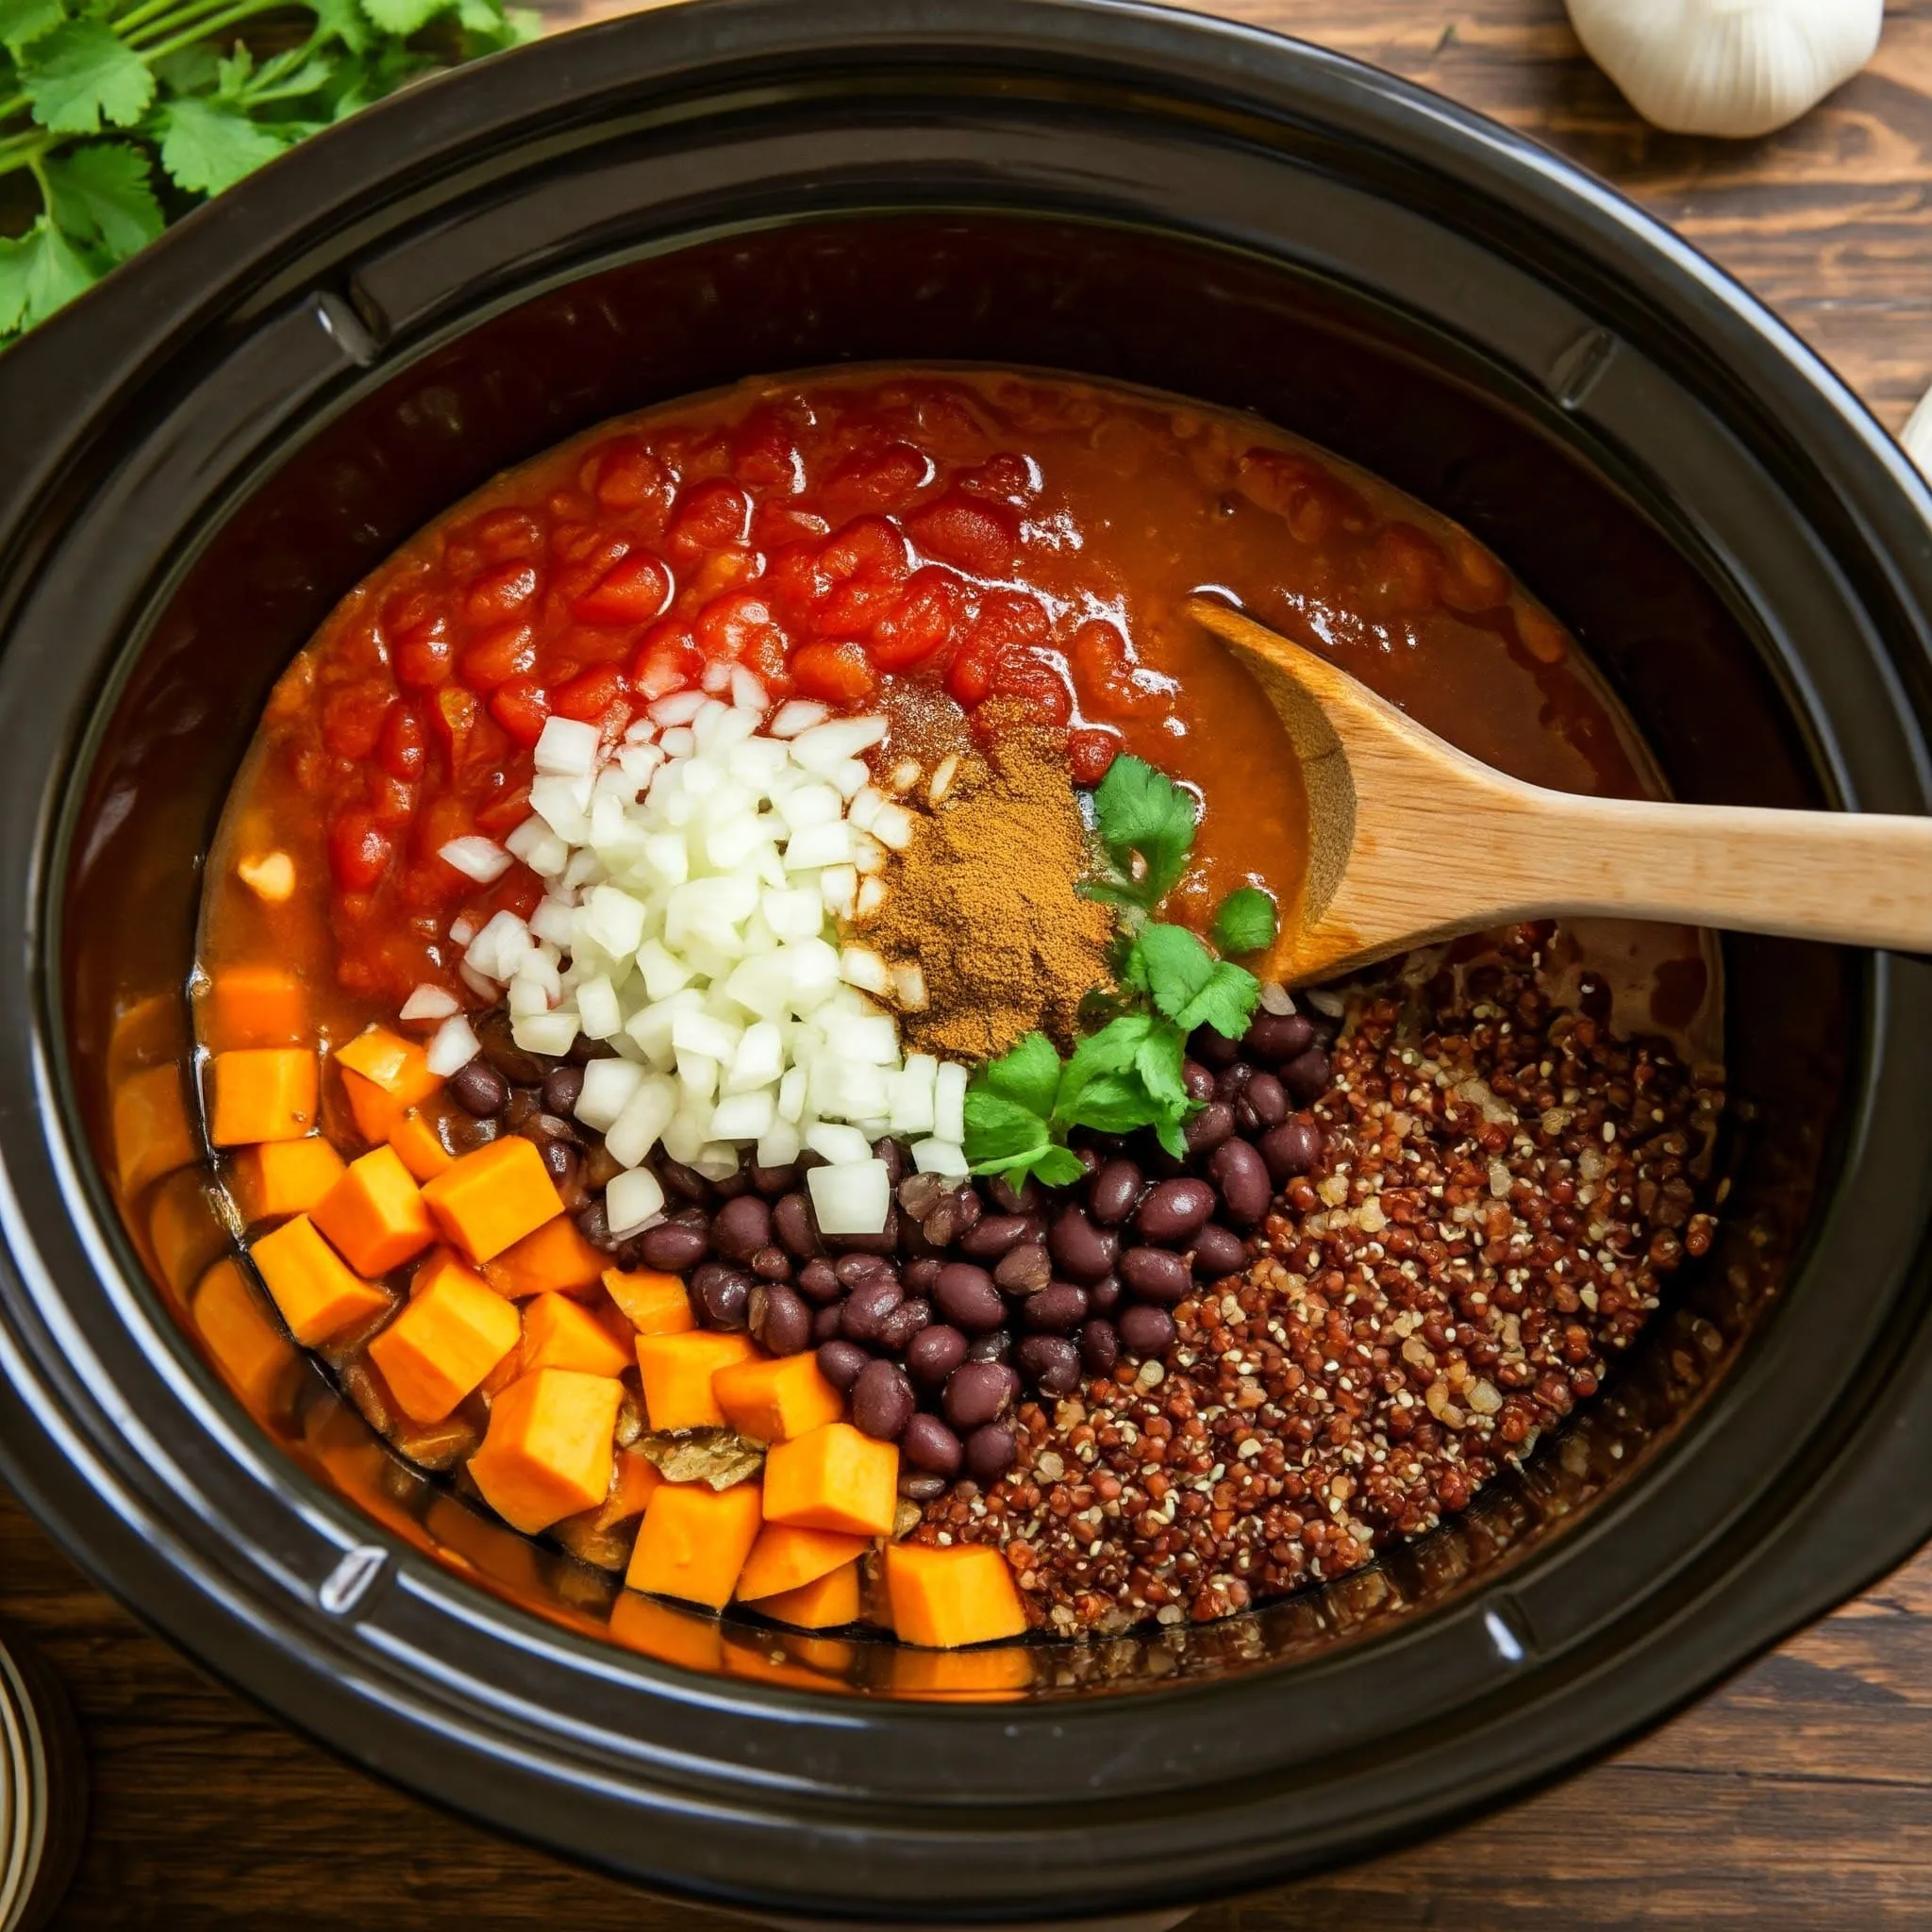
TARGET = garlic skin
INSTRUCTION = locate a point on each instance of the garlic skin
(1730, 67)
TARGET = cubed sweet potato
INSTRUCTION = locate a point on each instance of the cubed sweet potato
(663, 1631)
(559, 1333)
(184, 1232)
(277, 1178)
(774, 1400)
(824, 1604)
(317, 1292)
(376, 1116)
(634, 1481)
(785, 1558)
(374, 1216)
(261, 1093)
(694, 1541)
(419, 1146)
(241, 1335)
(555, 1260)
(656, 1304)
(960, 1676)
(444, 1343)
(490, 1199)
(254, 1005)
(833, 1478)
(151, 1132)
(398, 1066)
(548, 1450)
(677, 1370)
(945, 1597)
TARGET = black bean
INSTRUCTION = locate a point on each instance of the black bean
(957, 1213)
(854, 1269)
(1291, 1149)
(824, 1323)
(902, 1325)
(1051, 1363)
(817, 1283)
(1279, 1036)
(792, 1219)
(922, 1488)
(522, 1107)
(1100, 1347)
(919, 1276)
(686, 1183)
(1208, 1128)
(1104, 1297)
(561, 1162)
(994, 1235)
(722, 1295)
(1156, 1274)
(594, 1225)
(1211, 1048)
(1218, 1251)
(919, 1194)
(672, 1246)
(730, 1185)
(1083, 1251)
(991, 1451)
(1263, 1104)
(1173, 1210)
(1059, 1308)
(583, 1050)
(1197, 1080)
(841, 1363)
(979, 1392)
(994, 1346)
(882, 1401)
(1306, 1076)
(1024, 1270)
(893, 1153)
(934, 1352)
(771, 1264)
(562, 1089)
(1024, 1199)
(1113, 1190)
(479, 1088)
(494, 1035)
(1145, 1330)
(967, 1298)
(741, 1227)
(866, 1308)
(780, 1319)
(1232, 1082)
(882, 1243)
(928, 1445)
(774, 1181)
(1240, 1175)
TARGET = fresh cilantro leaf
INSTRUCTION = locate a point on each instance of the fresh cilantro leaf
(101, 192)
(82, 72)
(39, 273)
(1028, 1075)
(1108, 1051)
(1168, 1132)
(1247, 921)
(343, 20)
(1113, 1104)
(188, 70)
(22, 22)
(1226, 1003)
(232, 72)
(1058, 1167)
(1158, 1062)
(999, 1130)
(1170, 965)
(209, 146)
(403, 17)
(1141, 813)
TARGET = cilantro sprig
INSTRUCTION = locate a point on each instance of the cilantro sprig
(1021, 1109)
(121, 115)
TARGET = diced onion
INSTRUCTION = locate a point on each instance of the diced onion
(476, 858)
(796, 715)
(453, 1046)
(841, 1146)
(679, 707)
(908, 986)
(941, 1156)
(949, 1102)
(632, 1201)
(861, 967)
(428, 1002)
(566, 747)
(854, 1198)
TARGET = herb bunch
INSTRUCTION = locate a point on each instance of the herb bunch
(117, 116)
(1127, 1074)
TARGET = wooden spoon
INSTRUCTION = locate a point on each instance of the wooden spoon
(1412, 840)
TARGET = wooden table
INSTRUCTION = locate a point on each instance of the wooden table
(1798, 1797)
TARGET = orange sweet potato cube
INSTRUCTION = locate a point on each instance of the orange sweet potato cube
(444, 1343)
(774, 1400)
(559, 1333)
(375, 1114)
(833, 1478)
(694, 1541)
(655, 1304)
(677, 1370)
(662, 1630)
(317, 1292)
(277, 1178)
(252, 1352)
(261, 1093)
(151, 1132)
(944, 1597)
(254, 1005)
(824, 1604)
(490, 1199)
(374, 1214)
(633, 1482)
(785, 1558)
(555, 1260)
(398, 1066)
(548, 1450)
(439, 1263)
(418, 1145)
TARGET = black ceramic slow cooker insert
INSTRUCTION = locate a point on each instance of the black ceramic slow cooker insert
(207, 453)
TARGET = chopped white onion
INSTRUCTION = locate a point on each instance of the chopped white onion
(851, 1199)
(839, 1145)
(679, 707)
(796, 715)
(632, 1201)
(453, 1046)
(567, 748)
(941, 1156)
(476, 858)
(428, 1002)
(607, 1088)
(949, 1102)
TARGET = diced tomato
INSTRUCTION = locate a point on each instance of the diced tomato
(453, 718)
(588, 543)
(509, 533)
(838, 674)
(623, 475)
(352, 718)
(503, 815)
(1107, 677)
(498, 656)
(764, 452)
(974, 534)
(738, 623)
(359, 850)
(422, 654)
(499, 594)
(924, 621)
(667, 660)
(633, 590)
(1036, 682)
(711, 516)
(1402, 572)
(589, 694)
(969, 675)
(1089, 753)
(877, 479)
(402, 748)
(776, 524)
(392, 803)
(1004, 476)
(520, 706)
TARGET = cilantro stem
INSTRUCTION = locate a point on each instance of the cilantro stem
(202, 29)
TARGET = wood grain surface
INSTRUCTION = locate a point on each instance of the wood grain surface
(1797, 1799)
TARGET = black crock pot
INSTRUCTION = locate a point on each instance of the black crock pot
(204, 453)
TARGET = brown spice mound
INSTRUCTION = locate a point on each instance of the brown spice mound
(984, 899)
(1501, 1191)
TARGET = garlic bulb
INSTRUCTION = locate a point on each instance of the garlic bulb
(1732, 67)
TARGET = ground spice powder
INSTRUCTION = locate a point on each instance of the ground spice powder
(985, 900)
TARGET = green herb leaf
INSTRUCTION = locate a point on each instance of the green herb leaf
(1028, 1075)
(208, 146)
(1158, 1062)
(1000, 1132)
(1226, 1003)
(1141, 813)
(1170, 965)
(39, 273)
(79, 74)
(1247, 921)
(1058, 1167)
(22, 22)
(403, 17)
(101, 192)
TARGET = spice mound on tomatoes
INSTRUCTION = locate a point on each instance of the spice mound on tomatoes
(735, 1009)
